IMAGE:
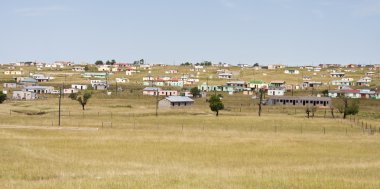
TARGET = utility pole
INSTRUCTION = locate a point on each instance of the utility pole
(116, 88)
(292, 89)
(59, 107)
(260, 102)
(156, 102)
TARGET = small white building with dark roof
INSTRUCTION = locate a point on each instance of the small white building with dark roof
(176, 102)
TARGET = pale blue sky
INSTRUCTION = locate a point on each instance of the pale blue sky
(292, 32)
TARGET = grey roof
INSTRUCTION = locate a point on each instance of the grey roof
(179, 99)
(29, 80)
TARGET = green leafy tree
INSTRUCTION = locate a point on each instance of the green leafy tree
(195, 92)
(3, 97)
(347, 106)
(82, 99)
(99, 62)
(325, 92)
(86, 68)
(215, 103)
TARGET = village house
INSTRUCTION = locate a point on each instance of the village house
(100, 86)
(359, 93)
(299, 101)
(176, 102)
(276, 91)
(70, 91)
(13, 72)
(26, 81)
(153, 91)
(96, 74)
(78, 69)
(370, 73)
(362, 82)
(24, 95)
(343, 82)
(148, 78)
(306, 78)
(171, 72)
(104, 68)
(291, 72)
(145, 66)
(257, 84)
(9, 85)
(275, 66)
(241, 84)
(337, 74)
(220, 88)
(79, 86)
(311, 84)
(225, 75)
(41, 77)
(39, 89)
(277, 83)
(122, 80)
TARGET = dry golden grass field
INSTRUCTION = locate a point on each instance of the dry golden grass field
(118, 142)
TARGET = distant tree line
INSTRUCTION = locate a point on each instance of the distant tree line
(108, 62)
(139, 62)
(204, 63)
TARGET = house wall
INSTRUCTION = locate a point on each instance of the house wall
(299, 102)
(276, 92)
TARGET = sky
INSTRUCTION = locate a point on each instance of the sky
(290, 32)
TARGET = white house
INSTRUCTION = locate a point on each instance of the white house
(337, 74)
(39, 89)
(276, 91)
(362, 93)
(291, 72)
(79, 86)
(13, 72)
(122, 80)
(370, 74)
(24, 95)
(78, 69)
(176, 102)
(69, 91)
(9, 85)
(153, 91)
(102, 68)
(225, 75)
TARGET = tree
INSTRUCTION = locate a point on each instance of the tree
(215, 103)
(195, 92)
(99, 62)
(86, 68)
(325, 92)
(3, 97)
(82, 99)
(310, 109)
(261, 92)
(256, 64)
(347, 106)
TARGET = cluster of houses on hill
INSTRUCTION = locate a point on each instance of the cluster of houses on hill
(29, 88)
